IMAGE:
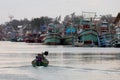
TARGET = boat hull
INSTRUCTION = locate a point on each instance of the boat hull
(68, 40)
(89, 37)
(44, 63)
(52, 39)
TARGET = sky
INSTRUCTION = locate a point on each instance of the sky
(21, 9)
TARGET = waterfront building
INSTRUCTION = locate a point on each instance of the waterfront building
(117, 26)
(116, 40)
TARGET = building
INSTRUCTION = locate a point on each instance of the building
(117, 26)
(116, 40)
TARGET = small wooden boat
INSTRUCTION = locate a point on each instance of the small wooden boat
(43, 63)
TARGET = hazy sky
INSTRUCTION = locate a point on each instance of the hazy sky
(21, 9)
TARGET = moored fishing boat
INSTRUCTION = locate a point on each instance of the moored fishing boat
(67, 40)
(52, 39)
(69, 35)
(89, 37)
(53, 35)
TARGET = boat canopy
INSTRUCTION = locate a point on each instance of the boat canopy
(70, 30)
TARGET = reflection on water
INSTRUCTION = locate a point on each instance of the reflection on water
(65, 59)
(85, 57)
(105, 61)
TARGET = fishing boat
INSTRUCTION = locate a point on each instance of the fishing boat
(69, 35)
(88, 37)
(105, 34)
(52, 39)
(105, 40)
(67, 40)
(53, 36)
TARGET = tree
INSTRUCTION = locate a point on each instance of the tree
(107, 18)
(15, 23)
(37, 22)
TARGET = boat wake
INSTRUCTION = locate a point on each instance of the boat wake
(58, 68)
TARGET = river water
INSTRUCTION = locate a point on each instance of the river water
(66, 62)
